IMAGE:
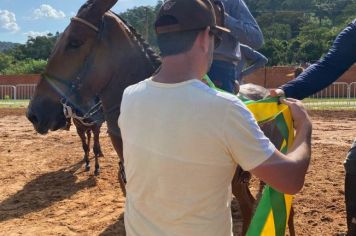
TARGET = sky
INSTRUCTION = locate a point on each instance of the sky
(20, 19)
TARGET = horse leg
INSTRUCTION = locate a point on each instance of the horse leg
(291, 222)
(244, 197)
(117, 143)
(68, 124)
(85, 146)
(96, 148)
(88, 133)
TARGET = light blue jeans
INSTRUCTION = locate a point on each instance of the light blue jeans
(223, 75)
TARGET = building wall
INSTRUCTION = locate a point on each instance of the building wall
(273, 77)
(19, 79)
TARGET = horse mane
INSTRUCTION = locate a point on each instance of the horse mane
(146, 49)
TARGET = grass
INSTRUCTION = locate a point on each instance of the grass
(9, 103)
(330, 103)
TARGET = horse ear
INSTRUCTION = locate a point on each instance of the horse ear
(104, 5)
(93, 10)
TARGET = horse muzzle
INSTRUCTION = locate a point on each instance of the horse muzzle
(44, 119)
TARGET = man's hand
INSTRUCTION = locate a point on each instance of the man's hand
(286, 173)
(276, 92)
(300, 116)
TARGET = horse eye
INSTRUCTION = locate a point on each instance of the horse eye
(74, 44)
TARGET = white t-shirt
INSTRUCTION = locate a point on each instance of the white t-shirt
(182, 143)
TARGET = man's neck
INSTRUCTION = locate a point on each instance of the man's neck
(176, 69)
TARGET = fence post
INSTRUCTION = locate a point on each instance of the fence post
(15, 92)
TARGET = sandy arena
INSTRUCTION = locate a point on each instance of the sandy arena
(45, 191)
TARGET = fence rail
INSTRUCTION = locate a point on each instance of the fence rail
(8, 92)
(339, 95)
(25, 91)
(17, 92)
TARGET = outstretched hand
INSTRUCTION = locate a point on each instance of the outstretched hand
(276, 92)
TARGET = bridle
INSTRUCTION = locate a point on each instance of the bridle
(90, 25)
(97, 107)
(75, 85)
(69, 113)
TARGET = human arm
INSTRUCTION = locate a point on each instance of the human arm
(286, 173)
(254, 152)
(340, 57)
(258, 60)
(243, 25)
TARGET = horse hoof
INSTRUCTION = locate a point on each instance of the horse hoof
(96, 172)
(87, 168)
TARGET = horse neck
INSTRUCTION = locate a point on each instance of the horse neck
(134, 65)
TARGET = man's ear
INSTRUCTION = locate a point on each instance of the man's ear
(204, 38)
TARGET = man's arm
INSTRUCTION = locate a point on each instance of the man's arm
(243, 25)
(254, 152)
(286, 173)
(339, 59)
(258, 60)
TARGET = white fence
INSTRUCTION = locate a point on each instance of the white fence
(339, 95)
(8, 92)
(25, 91)
(18, 92)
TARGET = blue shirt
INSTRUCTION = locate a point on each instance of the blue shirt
(318, 76)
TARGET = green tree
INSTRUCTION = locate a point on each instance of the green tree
(278, 31)
(347, 14)
(276, 52)
(28, 66)
(142, 19)
(5, 61)
(310, 51)
(38, 48)
(300, 5)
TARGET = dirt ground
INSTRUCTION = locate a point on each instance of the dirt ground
(45, 191)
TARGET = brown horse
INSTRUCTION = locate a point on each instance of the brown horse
(98, 54)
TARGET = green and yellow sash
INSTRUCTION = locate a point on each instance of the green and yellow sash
(272, 213)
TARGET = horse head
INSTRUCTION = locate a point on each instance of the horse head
(68, 77)
(96, 56)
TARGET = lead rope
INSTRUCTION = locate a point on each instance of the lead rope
(69, 113)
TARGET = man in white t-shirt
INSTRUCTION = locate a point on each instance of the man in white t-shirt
(183, 140)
